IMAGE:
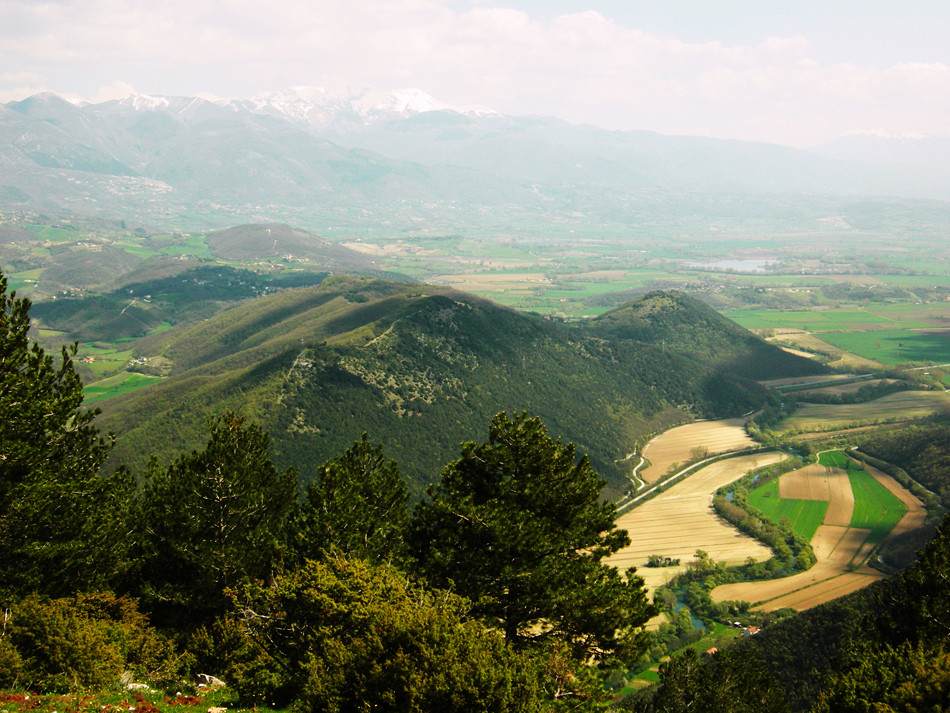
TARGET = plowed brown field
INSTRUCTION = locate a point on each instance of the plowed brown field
(676, 444)
(681, 520)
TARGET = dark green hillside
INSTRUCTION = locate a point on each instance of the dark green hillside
(684, 325)
(420, 368)
(137, 308)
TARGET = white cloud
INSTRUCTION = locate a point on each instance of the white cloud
(582, 66)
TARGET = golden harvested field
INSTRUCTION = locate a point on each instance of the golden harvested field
(676, 444)
(835, 547)
(396, 249)
(500, 282)
(681, 520)
(823, 591)
(900, 405)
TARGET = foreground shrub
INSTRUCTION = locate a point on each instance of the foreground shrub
(343, 635)
(82, 642)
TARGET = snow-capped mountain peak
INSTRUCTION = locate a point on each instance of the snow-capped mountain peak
(402, 102)
(144, 102)
(317, 106)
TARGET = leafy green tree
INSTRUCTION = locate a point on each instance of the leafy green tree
(61, 523)
(517, 526)
(212, 520)
(345, 635)
(360, 505)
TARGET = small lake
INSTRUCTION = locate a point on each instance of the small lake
(734, 265)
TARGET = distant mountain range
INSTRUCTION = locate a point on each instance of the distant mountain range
(404, 160)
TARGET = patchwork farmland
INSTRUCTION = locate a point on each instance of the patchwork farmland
(863, 506)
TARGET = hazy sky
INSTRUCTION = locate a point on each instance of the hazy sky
(795, 72)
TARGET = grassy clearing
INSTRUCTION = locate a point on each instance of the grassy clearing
(48, 233)
(875, 507)
(837, 357)
(834, 459)
(114, 385)
(805, 516)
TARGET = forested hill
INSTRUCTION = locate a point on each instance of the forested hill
(684, 325)
(421, 368)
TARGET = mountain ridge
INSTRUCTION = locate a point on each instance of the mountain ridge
(411, 161)
(422, 367)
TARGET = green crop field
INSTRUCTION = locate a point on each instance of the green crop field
(875, 507)
(804, 515)
(809, 320)
(893, 346)
(114, 385)
(834, 459)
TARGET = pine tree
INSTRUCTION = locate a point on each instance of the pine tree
(517, 525)
(359, 505)
(213, 520)
(61, 523)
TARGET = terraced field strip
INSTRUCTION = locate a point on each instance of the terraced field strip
(829, 383)
(902, 405)
(678, 445)
(804, 515)
(680, 520)
(800, 380)
(851, 387)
